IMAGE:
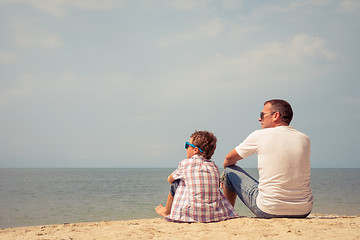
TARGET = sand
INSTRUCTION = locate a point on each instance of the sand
(314, 227)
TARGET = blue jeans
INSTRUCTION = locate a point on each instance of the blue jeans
(246, 187)
(174, 186)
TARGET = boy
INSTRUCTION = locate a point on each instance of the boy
(196, 183)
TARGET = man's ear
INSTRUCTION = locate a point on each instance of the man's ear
(276, 116)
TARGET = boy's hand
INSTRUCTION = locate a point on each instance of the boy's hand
(171, 179)
(222, 179)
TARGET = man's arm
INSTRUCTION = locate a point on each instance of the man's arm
(231, 158)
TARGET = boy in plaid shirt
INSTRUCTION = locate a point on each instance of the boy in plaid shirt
(195, 195)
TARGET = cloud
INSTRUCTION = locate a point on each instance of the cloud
(8, 57)
(232, 4)
(296, 59)
(272, 9)
(58, 7)
(350, 5)
(88, 85)
(187, 4)
(201, 5)
(16, 90)
(67, 83)
(209, 30)
(26, 33)
(301, 49)
(238, 31)
(347, 100)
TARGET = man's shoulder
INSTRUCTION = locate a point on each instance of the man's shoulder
(280, 130)
(297, 132)
(292, 132)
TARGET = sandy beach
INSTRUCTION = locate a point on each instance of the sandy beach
(316, 226)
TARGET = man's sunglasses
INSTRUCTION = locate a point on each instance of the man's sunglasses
(262, 114)
(187, 144)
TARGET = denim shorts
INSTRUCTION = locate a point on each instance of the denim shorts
(174, 186)
(246, 187)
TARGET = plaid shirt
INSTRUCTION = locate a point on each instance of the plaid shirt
(198, 197)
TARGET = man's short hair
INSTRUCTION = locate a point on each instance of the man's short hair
(206, 141)
(282, 107)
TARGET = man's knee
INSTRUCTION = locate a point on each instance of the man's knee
(227, 179)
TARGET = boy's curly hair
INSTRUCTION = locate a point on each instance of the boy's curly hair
(206, 141)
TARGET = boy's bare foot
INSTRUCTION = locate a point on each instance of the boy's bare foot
(161, 210)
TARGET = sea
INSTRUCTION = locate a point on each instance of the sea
(30, 197)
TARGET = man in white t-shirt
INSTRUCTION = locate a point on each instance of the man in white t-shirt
(283, 189)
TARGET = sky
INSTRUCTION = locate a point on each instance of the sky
(124, 83)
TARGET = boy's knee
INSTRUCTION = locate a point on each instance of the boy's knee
(174, 186)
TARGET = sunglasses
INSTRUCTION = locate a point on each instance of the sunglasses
(262, 114)
(187, 144)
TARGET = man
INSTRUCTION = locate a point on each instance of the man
(283, 153)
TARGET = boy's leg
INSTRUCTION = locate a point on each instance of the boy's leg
(231, 196)
(164, 211)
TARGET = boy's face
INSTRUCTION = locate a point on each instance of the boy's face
(191, 151)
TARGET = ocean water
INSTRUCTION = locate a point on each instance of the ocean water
(54, 196)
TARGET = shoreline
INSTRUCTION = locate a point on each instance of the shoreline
(316, 226)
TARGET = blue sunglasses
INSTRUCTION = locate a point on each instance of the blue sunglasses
(187, 144)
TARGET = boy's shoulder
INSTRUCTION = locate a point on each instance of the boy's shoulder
(196, 159)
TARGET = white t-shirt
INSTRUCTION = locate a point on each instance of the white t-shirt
(284, 169)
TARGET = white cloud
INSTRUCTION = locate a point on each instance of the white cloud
(155, 149)
(15, 90)
(90, 84)
(271, 60)
(290, 6)
(238, 31)
(301, 49)
(232, 4)
(211, 29)
(350, 5)
(346, 100)
(28, 34)
(59, 7)
(294, 60)
(297, 53)
(187, 4)
(8, 57)
(68, 83)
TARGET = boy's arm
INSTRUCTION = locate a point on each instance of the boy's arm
(179, 172)
(171, 179)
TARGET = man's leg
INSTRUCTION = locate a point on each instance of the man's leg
(238, 182)
(164, 211)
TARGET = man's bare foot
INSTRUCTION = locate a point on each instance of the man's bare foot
(162, 211)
